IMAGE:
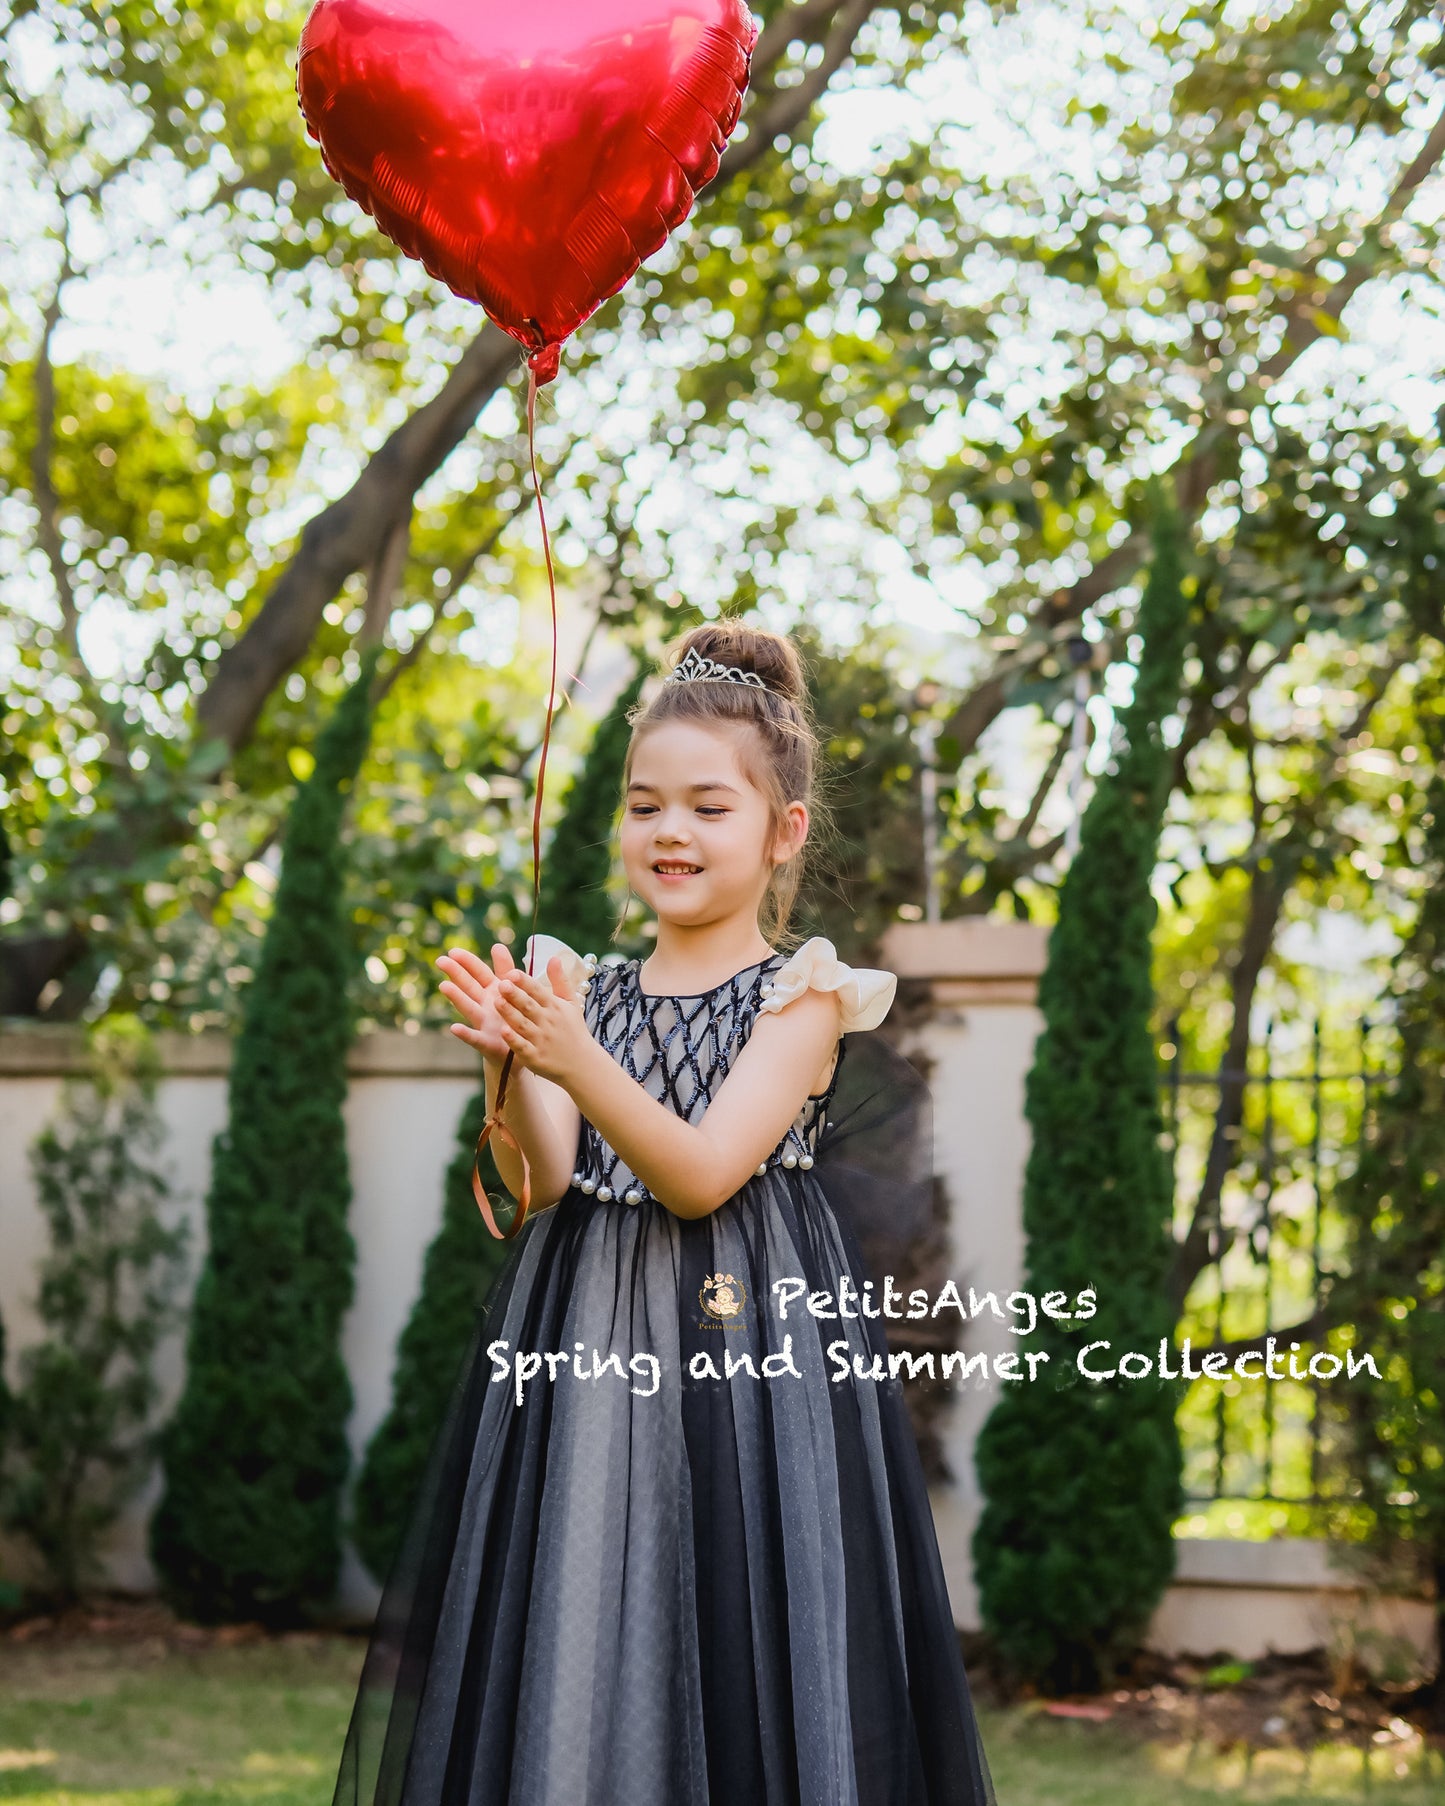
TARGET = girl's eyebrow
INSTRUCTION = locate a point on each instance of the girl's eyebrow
(710, 784)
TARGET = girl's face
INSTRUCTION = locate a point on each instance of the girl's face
(694, 835)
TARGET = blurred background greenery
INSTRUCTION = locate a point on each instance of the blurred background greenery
(899, 382)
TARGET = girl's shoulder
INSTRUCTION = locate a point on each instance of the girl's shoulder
(865, 993)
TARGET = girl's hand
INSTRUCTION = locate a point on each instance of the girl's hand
(472, 989)
(546, 1028)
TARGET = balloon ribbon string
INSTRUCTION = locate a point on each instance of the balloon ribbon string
(493, 1123)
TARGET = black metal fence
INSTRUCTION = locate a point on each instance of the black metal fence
(1259, 1177)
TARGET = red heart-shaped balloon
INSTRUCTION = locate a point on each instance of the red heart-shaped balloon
(530, 152)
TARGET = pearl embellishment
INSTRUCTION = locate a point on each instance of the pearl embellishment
(806, 1161)
(790, 1158)
(632, 1195)
(762, 1166)
(604, 1194)
(589, 1186)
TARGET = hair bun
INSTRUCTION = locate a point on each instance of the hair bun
(771, 734)
(772, 656)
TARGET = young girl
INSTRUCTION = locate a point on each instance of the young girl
(673, 1548)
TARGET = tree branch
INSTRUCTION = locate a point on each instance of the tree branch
(1308, 1329)
(1201, 711)
(385, 579)
(787, 108)
(404, 660)
(1270, 880)
(1194, 474)
(347, 535)
(790, 26)
(1304, 321)
(1019, 839)
(42, 459)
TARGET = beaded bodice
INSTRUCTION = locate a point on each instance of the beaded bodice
(680, 1049)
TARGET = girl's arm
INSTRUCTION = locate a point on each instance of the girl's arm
(691, 1168)
(541, 1115)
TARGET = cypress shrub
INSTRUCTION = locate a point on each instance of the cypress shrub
(1082, 1477)
(11, 1594)
(463, 1259)
(573, 903)
(458, 1271)
(80, 1441)
(7, 1402)
(1391, 1288)
(255, 1456)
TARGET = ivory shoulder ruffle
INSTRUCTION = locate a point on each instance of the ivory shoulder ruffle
(576, 967)
(865, 995)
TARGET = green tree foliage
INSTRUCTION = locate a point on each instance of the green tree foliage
(79, 1443)
(1082, 1477)
(871, 867)
(960, 339)
(464, 1257)
(574, 903)
(255, 1457)
(440, 848)
(463, 1260)
(1391, 1285)
(1038, 287)
(173, 135)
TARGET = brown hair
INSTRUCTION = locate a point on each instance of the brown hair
(779, 756)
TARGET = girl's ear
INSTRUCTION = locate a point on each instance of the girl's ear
(791, 836)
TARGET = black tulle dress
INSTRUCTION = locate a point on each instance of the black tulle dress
(656, 1587)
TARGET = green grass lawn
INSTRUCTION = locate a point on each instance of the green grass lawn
(144, 1724)
(140, 1723)
(1037, 1761)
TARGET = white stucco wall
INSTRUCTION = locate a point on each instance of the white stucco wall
(407, 1094)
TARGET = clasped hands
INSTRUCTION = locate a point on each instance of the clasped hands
(507, 1010)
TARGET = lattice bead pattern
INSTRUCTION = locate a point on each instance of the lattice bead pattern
(680, 1049)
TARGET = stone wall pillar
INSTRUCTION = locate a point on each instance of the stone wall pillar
(967, 1011)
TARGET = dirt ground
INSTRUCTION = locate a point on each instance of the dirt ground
(1277, 1702)
(123, 1618)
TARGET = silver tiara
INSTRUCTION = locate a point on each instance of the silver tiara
(695, 668)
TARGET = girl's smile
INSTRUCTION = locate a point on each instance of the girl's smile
(694, 822)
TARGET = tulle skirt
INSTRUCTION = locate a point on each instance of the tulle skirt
(668, 1584)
